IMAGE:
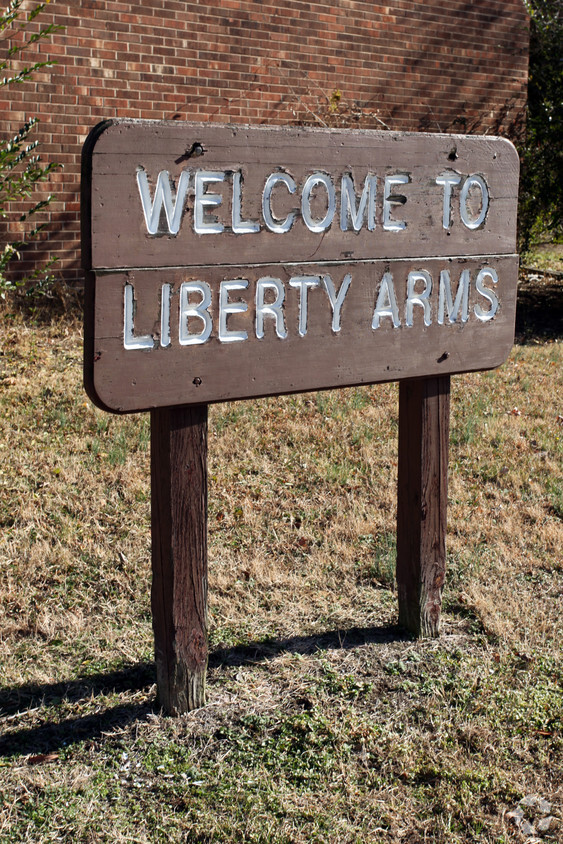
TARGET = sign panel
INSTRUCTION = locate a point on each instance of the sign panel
(227, 262)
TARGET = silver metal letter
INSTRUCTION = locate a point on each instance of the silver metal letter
(206, 223)
(239, 225)
(318, 225)
(422, 298)
(348, 210)
(165, 293)
(386, 305)
(273, 309)
(461, 298)
(274, 225)
(304, 282)
(388, 199)
(173, 206)
(200, 310)
(448, 180)
(226, 307)
(336, 300)
(469, 183)
(489, 295)
(130, 342)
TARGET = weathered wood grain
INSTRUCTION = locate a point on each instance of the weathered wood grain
(118, 251)
(424, 414)
(115, 234)
(133, 380)
(179, 555)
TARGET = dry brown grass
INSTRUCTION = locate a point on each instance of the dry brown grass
(323, 724)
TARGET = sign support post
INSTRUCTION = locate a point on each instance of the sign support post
(422, 498)
(179, 554)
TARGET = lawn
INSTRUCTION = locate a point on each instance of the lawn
(324, 721)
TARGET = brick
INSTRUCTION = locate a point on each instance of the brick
(415, 64)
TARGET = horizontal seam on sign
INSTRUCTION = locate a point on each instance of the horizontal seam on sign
(333, 263)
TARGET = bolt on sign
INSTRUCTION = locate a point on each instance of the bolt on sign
(229, 262)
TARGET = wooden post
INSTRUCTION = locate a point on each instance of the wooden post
(179, 555)
(424, 414)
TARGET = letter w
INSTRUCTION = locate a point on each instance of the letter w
(173, 206)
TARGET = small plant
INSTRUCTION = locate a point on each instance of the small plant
(21, 169)
(334, 101)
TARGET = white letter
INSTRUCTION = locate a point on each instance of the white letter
(386, 305)
(336, 301)
(165, 293)
(201, 311)
(162, 196)
(418, 298)
(277, 226)
(144, 341)
(461, 299)
(489, 295)
(226, 307)
(241, 226)
(448, 180)
(318, 179)
(348, 203)
(398, 199)
(303, 282)
(273, 309)
(469, 183)
(203, 223)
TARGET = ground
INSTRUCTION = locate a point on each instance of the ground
(325, 722)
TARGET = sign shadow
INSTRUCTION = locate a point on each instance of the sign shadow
(49, 737)
(353, 637)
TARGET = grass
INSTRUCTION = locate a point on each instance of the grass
(324, 722)
(545, 256)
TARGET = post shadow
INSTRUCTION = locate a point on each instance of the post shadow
(50, 737)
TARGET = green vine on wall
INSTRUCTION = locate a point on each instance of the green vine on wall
(21, 169)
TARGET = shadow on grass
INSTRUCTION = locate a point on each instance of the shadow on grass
(539, 310)
(331, 640)
(50, 737)
(27, 700)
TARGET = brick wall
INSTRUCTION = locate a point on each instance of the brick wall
(423, 66)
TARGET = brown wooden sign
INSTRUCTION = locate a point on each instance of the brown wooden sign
(229, 262)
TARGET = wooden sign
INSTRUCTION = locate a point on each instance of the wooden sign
(229, 262)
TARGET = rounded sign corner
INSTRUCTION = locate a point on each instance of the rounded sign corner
(95, 397)
(511, 151)
(95, 134)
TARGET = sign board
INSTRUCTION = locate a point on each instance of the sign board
(229, 262)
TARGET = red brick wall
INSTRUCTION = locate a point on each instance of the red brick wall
(423, 66)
